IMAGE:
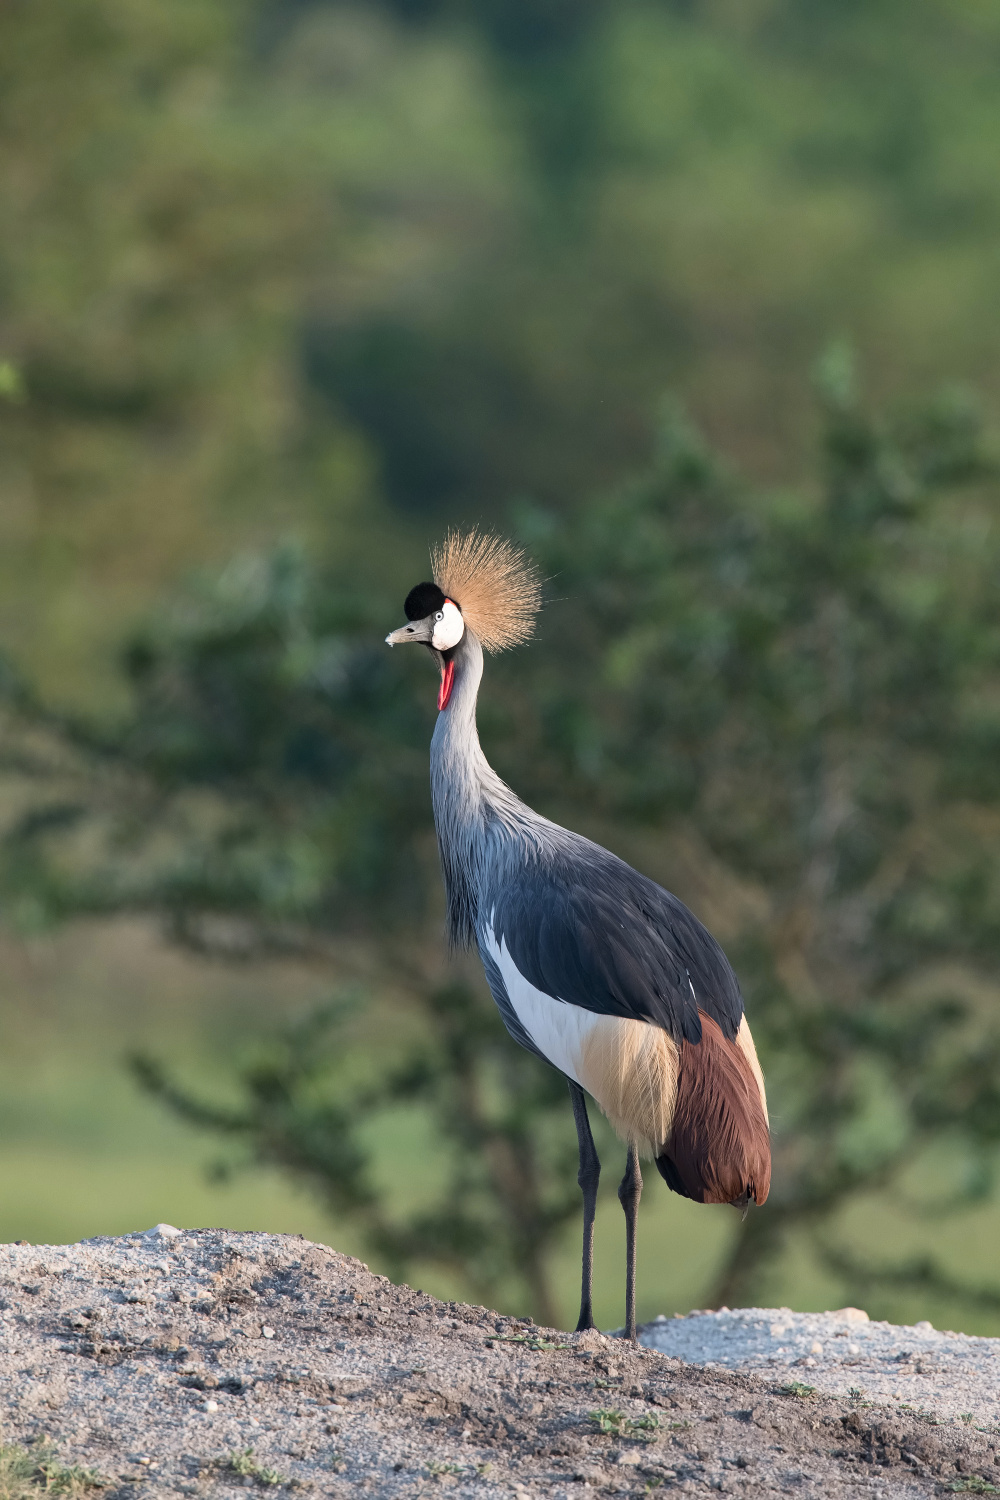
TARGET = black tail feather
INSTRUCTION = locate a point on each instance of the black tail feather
(672, 1177)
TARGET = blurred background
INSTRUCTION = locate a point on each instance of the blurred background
(699, 300)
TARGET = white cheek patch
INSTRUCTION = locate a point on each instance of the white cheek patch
(448, 631)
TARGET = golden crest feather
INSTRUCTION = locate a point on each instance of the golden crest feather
(496, 586)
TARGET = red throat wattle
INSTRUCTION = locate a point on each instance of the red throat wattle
(447, 683)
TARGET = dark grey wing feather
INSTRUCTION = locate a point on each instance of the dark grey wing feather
(583, 926)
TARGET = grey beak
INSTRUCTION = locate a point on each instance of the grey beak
(417, 631)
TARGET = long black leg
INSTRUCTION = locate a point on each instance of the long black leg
(588, 1177)
(629, 1193)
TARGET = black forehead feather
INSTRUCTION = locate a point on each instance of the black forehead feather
(423, 599)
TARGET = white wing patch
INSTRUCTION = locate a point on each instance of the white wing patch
(559, 1029)
(628, 1066)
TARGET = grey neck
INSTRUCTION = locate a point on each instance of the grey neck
(471, 803)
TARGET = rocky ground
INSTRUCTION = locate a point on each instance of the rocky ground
(202, 1362)
(918, 1368)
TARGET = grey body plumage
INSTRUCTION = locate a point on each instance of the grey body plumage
(513, 873)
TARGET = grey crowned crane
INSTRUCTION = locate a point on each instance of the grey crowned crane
(594, 967)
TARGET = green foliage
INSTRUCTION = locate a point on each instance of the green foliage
(175, 198)
(271, 686)
(266, 265)
(28, 1473)
(271, 767)
(462, 1471)
(498, 1120)
(535, 1342)
(607, 1420)
(248, 1466)
(641, 1429)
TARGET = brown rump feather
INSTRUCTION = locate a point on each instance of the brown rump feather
(497, 588)
(720, 1147)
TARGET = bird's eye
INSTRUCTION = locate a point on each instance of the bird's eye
(439, 615)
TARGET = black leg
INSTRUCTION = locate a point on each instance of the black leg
(629, 1193)
(588, 1177)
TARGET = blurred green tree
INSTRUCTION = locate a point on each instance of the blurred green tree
(265, 264)
(177, 199)
(496, 1120)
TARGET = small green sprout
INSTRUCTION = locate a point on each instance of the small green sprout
(435, 1468)
(925, 1416)
(617, 1424)
(29, 1472)
(533, 1341)
(245, 1464)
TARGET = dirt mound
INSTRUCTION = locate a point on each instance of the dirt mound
(200, 1362)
